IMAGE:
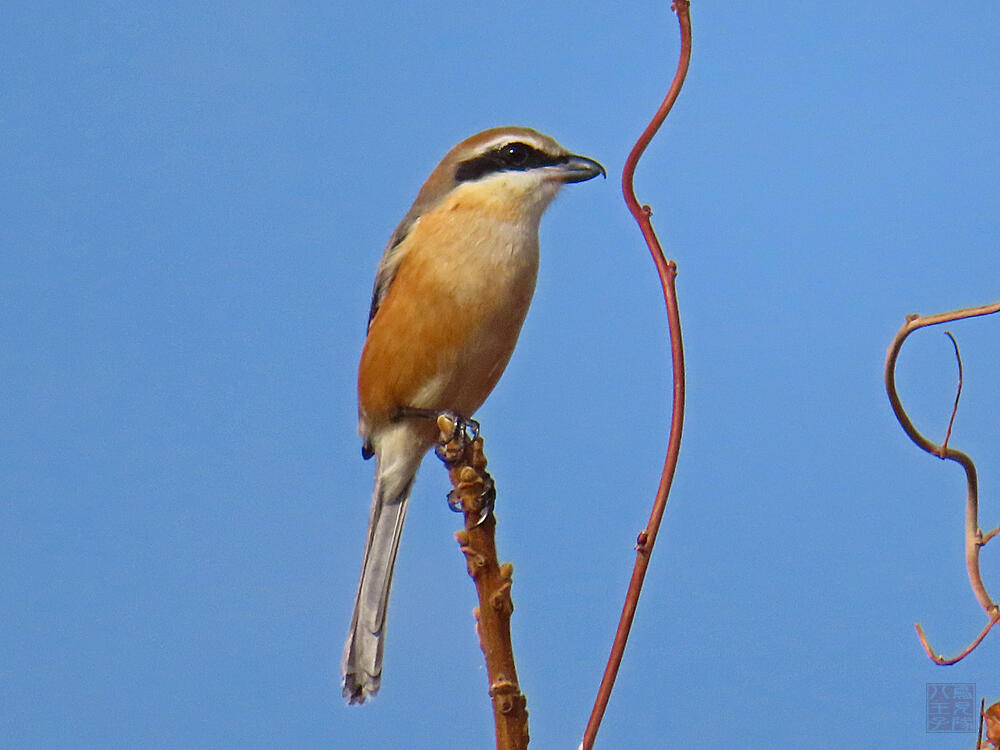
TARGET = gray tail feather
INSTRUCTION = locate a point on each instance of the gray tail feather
(362, 663)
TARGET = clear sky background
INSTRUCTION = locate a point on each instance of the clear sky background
(193, 199)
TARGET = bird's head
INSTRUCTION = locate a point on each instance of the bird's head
(515, 166)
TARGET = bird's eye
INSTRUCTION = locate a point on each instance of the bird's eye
(515, 154)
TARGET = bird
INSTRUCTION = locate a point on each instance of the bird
(451, 292)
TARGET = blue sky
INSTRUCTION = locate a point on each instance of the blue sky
(192, 203)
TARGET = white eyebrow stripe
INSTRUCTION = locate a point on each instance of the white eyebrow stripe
(504, 139)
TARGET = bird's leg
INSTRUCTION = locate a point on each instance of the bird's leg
(411, 412)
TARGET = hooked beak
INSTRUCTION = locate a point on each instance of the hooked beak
(580, 168)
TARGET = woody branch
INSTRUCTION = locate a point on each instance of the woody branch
(472, 484)
(974, 538)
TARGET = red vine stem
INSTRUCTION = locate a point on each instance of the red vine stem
(667, 271)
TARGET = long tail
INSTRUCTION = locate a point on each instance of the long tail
(362, 663)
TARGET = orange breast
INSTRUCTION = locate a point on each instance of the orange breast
(449, 322)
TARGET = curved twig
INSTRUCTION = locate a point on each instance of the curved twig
(974, 539)
(958, 393)
(946, 661)
(667, 271)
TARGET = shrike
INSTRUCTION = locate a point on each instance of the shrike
(451, 293)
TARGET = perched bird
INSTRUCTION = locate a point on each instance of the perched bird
(451, 292)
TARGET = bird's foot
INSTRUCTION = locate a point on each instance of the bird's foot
(469, 427)
(487, 501)
(457, 433)
(463, 429)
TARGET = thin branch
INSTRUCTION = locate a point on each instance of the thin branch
(945, 661)
(974, 539)
(473, 494)
(667, 271)
(958, 394)
(982, 715)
